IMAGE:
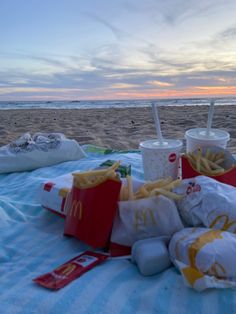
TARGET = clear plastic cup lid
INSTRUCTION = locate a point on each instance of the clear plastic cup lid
(167, 144)
(201, 133)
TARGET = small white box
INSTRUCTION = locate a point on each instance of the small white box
(151, 255)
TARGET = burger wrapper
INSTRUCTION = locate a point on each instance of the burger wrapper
(205, 257)
(207, 203)
(139, 219)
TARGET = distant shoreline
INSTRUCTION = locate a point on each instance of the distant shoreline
(105, 104)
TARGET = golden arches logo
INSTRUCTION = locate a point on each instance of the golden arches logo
(76, 209)
(141, 217)
(200, 242)
(227, 224)
(66, 270)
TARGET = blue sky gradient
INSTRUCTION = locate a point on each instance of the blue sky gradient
(120, 49)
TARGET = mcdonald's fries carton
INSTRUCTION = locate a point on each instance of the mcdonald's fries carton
(205, 257)
(52, 194)
(214, 162)
(91, 206)
(208, 203)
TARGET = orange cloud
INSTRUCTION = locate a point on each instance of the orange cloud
(108, 94)
(199, 91)
(123, 86)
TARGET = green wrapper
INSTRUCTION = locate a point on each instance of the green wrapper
(124, 169)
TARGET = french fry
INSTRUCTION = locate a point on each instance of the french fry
(142, 193)
(214, 165)
(92, 178)
(207, 153)
(166, 193)
(210, 164)
(219, 156)
(159, 183)
(159, 187)
(121, 197)
(172, 185)
(219, 161)
(206, 163)
(130, 188)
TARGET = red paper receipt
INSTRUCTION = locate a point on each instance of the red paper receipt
(71, 270)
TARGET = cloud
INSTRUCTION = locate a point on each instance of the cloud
(227, 34)
(160, 84)
(17, 55)
(117, 32)
(172, 12)
(123, 86)
(113, 70)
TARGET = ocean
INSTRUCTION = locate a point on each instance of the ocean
(92, 104)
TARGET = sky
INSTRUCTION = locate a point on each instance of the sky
(117, 49)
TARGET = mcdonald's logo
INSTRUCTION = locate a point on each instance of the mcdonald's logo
(141, 217)
(66, 270)
(225, 222)
(76, 209)
(200, 242)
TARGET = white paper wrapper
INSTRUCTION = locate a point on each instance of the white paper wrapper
(145, 218)
(205, 257)
(52, 194)
(208, 203)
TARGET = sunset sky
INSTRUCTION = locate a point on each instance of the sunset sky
(117, 49)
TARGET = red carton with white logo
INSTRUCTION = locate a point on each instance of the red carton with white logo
(91, 212)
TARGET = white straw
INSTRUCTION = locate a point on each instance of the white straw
(210, 116)
(157, 124)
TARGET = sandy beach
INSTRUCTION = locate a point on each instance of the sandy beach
(114, 128)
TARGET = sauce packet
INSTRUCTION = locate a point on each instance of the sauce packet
(69, 271)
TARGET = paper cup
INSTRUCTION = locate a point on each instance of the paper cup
(160, 161)
(197, 137)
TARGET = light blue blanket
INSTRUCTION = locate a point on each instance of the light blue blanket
(32, 243)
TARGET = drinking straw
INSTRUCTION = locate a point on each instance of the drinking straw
(157, 124)
(210, 116)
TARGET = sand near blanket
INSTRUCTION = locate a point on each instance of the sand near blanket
(120, 128)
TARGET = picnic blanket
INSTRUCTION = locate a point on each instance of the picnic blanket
(32, 243)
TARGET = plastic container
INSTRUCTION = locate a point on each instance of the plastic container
(160, 161)
(198, 137)
(151, 255)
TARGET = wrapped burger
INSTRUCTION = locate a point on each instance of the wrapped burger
(205, 257)
(208, 203)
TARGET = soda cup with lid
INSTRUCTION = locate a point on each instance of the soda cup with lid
(160, 160)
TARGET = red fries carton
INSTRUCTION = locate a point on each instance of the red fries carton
(228, 177)
(92, 208)
(71, 270)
